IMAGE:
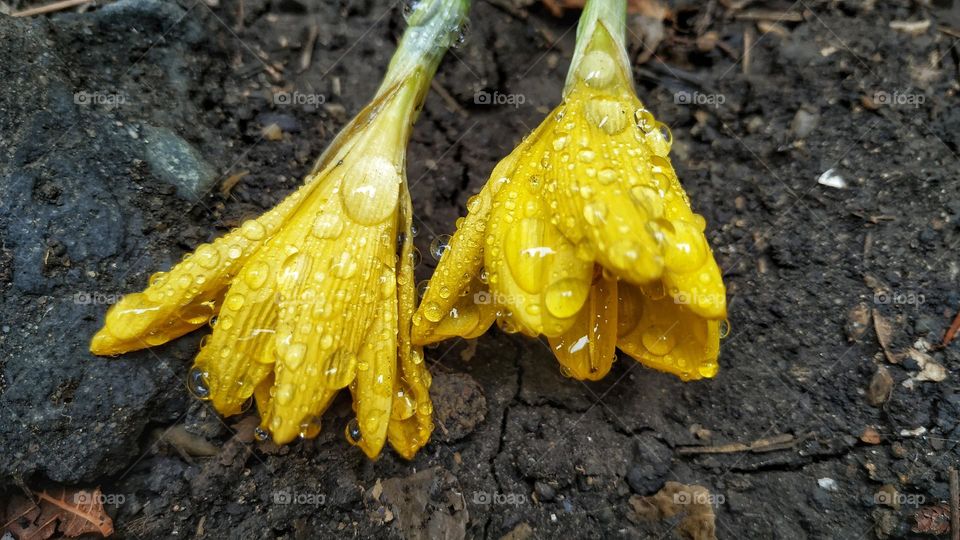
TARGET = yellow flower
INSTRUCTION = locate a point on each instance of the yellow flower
(317, 294)
(585, 235)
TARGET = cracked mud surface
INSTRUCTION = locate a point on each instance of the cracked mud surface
(88, 212)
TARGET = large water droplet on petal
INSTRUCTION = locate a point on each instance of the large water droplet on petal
(659, 340)
(370, 191)
(565, 297)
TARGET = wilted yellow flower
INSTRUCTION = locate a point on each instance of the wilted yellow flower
(585, 235)
(317, 294)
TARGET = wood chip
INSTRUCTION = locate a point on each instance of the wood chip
(884, 331)
(231, 181)
(914, 28)
(50, 8)
(770, 27)
(870, 435)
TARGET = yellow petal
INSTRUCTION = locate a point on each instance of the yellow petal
(587, 350)
(460, 264)
(186, 297)
(374, 388)
(411, 419)
(667, 336)
(470, 316)
(533, 270)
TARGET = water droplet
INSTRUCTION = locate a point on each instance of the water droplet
(586, 155)
(235, 301)
(255, 274)
(565, 297)
(284, 394)
(207, 256)
(197, 383)
(310, 428)
(595, 213)
(659, 340)
(665, 133)
(246, 404)
(607, 176)
(253, 230)
(352, 432)
(597, 69)
(345, 266)
(708, 369)
(724, 328)
(645, 120)
(327, 226)
(294, 354)
(234, 252)
(559, 143)
(439, 245)
(197, 313)
(261, 434)
(370, 192)
(432, 312)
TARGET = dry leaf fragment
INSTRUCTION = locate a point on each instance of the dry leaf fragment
(693, 501)
(881, 386)
(20, 518)
(78, 511)
(884, 331)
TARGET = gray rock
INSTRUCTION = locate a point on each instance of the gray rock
(650, 465)
(177, 163)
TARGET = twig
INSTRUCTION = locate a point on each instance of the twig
(952, 331)
(954, 504)
(50, 8)
(770, 15)
(306, 57)
(747, 47)
(450, 100)
(949, 31)
(766, 444)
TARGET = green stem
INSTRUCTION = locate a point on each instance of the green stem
(433, 26)
(612, 14)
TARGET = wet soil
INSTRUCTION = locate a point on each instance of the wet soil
(132, 132)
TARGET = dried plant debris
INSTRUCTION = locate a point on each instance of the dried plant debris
(72, 513)
(693, 502)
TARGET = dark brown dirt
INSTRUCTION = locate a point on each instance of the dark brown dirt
(99, 192)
